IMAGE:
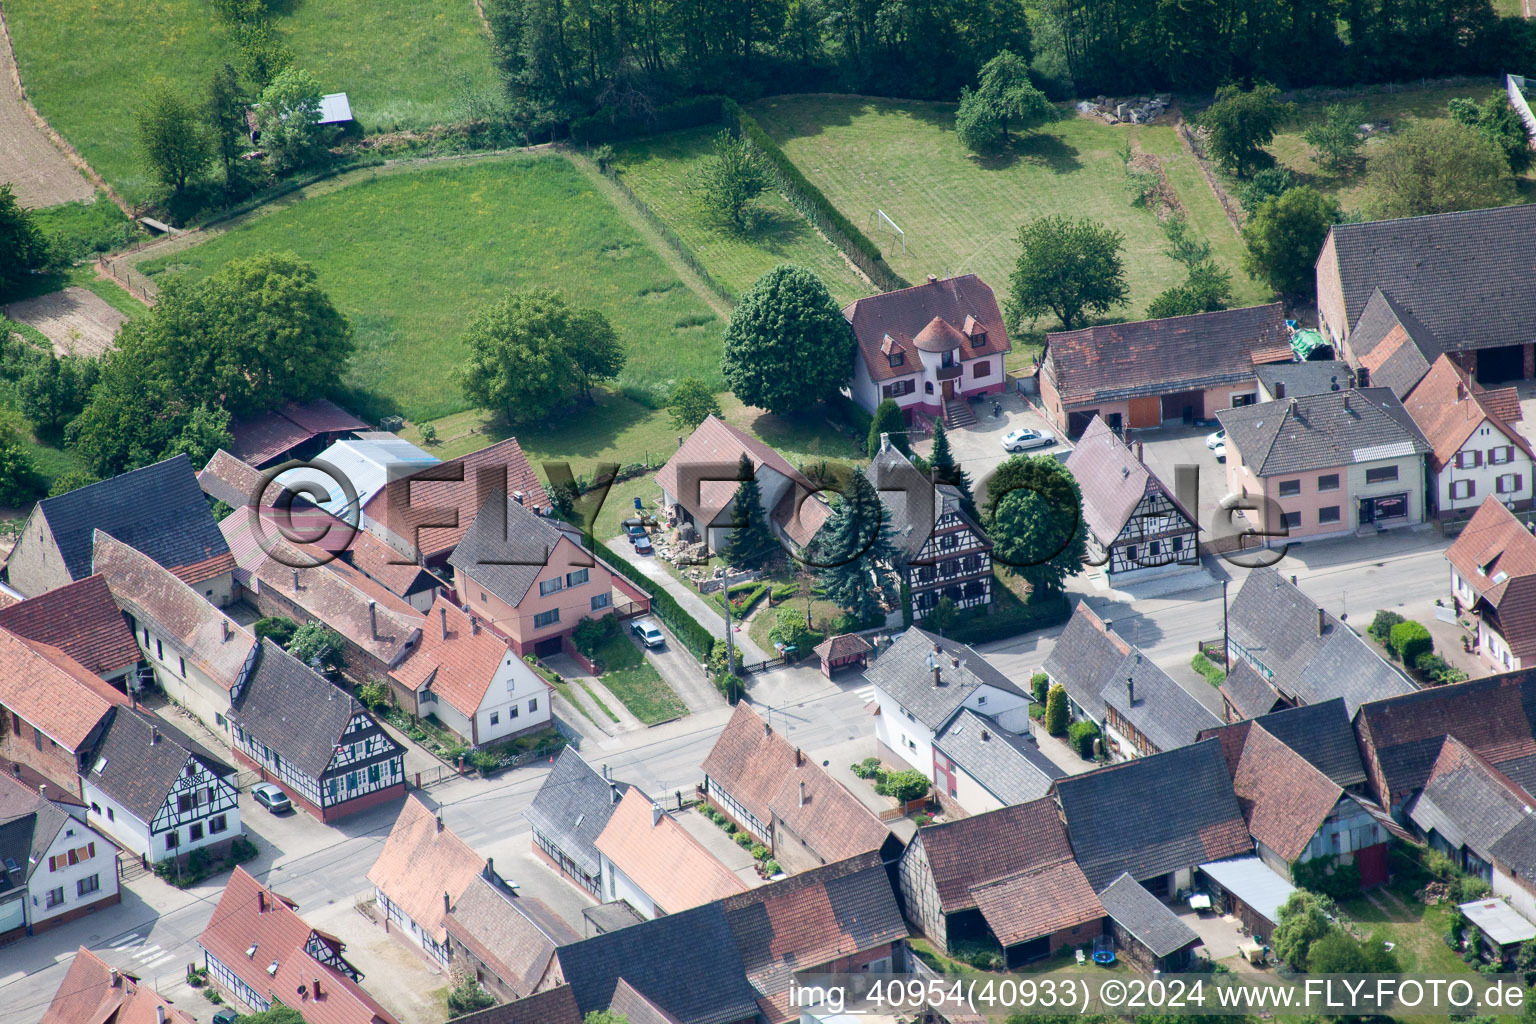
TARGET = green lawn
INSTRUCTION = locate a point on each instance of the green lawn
(402, 63)
(961, 214)
(409, 255)
(660, 171)
(636, 682)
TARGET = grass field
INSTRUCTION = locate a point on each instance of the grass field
(962, 214)
(636, 682)
(409, 255)
(84, 63)
(660, 170)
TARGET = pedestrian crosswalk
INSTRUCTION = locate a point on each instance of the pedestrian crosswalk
(145, 958)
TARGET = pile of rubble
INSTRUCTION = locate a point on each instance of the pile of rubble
(1137, 111)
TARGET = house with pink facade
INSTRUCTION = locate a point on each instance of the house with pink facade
(1325, 465)
(527, 577)
(1180, 369)
(929, 348)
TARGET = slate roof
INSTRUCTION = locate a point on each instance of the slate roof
(1009, 766)
(28, 826)
(249, 914)
(506, 555)
(662, 858)
(1443, 266)
(500, 467)
(1493, 549)
(289, 707)
(1145, 917)
(1283, 798)
(490, 921)
(610, 917)
(88, 995)
(1391, 345)
(1495, 716)
(915, 504)
(1153, 815)
(1337, 428)
(421, 860)
(902, 671)
(139, 771)
(811, 919)
(1155, 357)
(195, 629)
(265, 436)
(1037, 902)
(1247, 691)
(686, 963)
(572, 807)
(1346, 667)
(159, 510)
(903, 321)
(1517, 848)
(1086, 652)
(1164, 712)
(635, 1008)
(1322, 734)
(1113, 481)
(1467, 802)
(79, 619)
(716, 443)
(54, 693)
(987, 847)
(764, 772)
(1309, 378)
(1448, 406)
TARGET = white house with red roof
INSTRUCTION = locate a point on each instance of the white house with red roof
(928, 348)
(1475, 453)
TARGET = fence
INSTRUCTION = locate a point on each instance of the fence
(130, 279)
(1229, 205)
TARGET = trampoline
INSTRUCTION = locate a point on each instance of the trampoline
(1104, 950)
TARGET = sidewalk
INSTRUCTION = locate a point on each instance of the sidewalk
(693, 603)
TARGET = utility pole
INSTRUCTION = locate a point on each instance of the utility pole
(730, 642)
(1226, 643)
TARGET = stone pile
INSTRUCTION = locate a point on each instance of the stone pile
(1133, 111)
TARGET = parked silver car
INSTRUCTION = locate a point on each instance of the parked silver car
(1025, 438)
(649, 633)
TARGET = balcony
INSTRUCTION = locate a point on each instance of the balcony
(949, 372)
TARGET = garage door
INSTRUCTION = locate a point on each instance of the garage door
(1507, 362)
(1184, 405)
(1077, 422)
(1145, 412)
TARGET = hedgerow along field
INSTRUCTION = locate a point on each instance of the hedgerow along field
(961, 213)
(409, 254)
(402, 63)
(662, 170)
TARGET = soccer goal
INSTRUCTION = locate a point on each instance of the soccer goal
(880, 219)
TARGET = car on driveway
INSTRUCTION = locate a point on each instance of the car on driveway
(1220, 451)
(225, 1016)
(642, 544)
(1216, 440)
(634, 529)
(649, 633)
(1025, 438)
(272, 798)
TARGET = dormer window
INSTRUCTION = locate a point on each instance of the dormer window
(978, 339)
(896, 358)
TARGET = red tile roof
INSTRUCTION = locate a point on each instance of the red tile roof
(1448, 406)
(249, 916)
(843, 645)
(52, 691)
(420, 861)
(658, 855)
(1283, 798)
(460, 666)
(263, 437)
(764, 772)
(89, 994)
(935, 316)
(500, 467)
(1037, 902)
(1492, 550)
(79, 619)
(987, 847)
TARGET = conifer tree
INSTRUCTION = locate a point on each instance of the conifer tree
(853, 550)
(752, 543)
(946, 471)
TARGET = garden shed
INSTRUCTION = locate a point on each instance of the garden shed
(842, 651)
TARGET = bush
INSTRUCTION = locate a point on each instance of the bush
(1409, 640)
(1380, 628)
(241, 850)
(212, 995)
(1056, 711)
(591, 634)
(467, 997)
(922, 819)
(278, 627)
(792, 631)
(744, 840)
(906, 785)
(772, 867)
(1008, 616)
(612, 125)
(758, 851)
(1213, 673)
(1437, 670)
(1081, 735)
(1040, 686)
(867, 768)
(374, 693)
(1330, 876)
(484, 761)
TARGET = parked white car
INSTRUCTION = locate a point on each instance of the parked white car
(1220, 451)
(649, 633)
(1024, 439)
(1216, 440)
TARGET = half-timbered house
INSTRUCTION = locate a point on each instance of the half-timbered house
(313, 739)
(940, 550)
(421, 872)
(157, 792)
(1136, 524)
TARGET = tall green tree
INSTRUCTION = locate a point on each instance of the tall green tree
(1336, 136)
(20, 480)
(1304, 919)
(1239, 124)
(1071, 268)
(289, 118)
(171, 135)
(853, 550)
(691, 403)
(1437, 167)
(887, 421)
(226, 119)
(947, 471)
(598, 354)
(729, 182)
(1206, 288)
(752, 544)
(520, 362)
(23, 249)
(1034, 515)
(787, 347)
(1497, 121)
(1284, 236)
(53, 390)
(1004, 98)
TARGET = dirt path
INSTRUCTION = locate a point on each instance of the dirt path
(39, 172)
(77, 321)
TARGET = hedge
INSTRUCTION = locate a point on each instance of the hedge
(1410, 640)
(811, 202)
(611, 126)
(688, 629)
(1010, 618)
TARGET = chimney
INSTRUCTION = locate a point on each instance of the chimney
(224, 630)
(474, 625)
(159, 1013)
(1293, 407)
(154, 735)
(933, 279)
(1346, 401)
(261, 901)
(1279, 389)
(1293, 580)
(16, 768)
(605, 772)
(373, 619)
(42, 791)
(316, 988)
(802, 794)
(799, 758)
(655, 814)
(1109, 625)
(613, 791)
(295, 579)
(439, 821)
(1322, 621)
(885, 442)
(490, 868)
(1130, 691)
(985, 736)
(517, 496)
(442, 615)
(115, 977)
(447, 902)
(1138, 452)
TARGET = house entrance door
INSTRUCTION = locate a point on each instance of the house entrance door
(949, 390)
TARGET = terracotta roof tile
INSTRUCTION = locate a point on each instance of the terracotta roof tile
(844, 645)
(987, 847)
(669, 865)
(519, 947)
(552, 1006)
(79, 619)
(265, 436)
(1491, 550)
(763, 771)
(1037, 902)
(1448, 407)
(460, 666)
(250, 915)
(89, 995)
(1283, 798)
(419, 862)
(905, 314)
(53, 692)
